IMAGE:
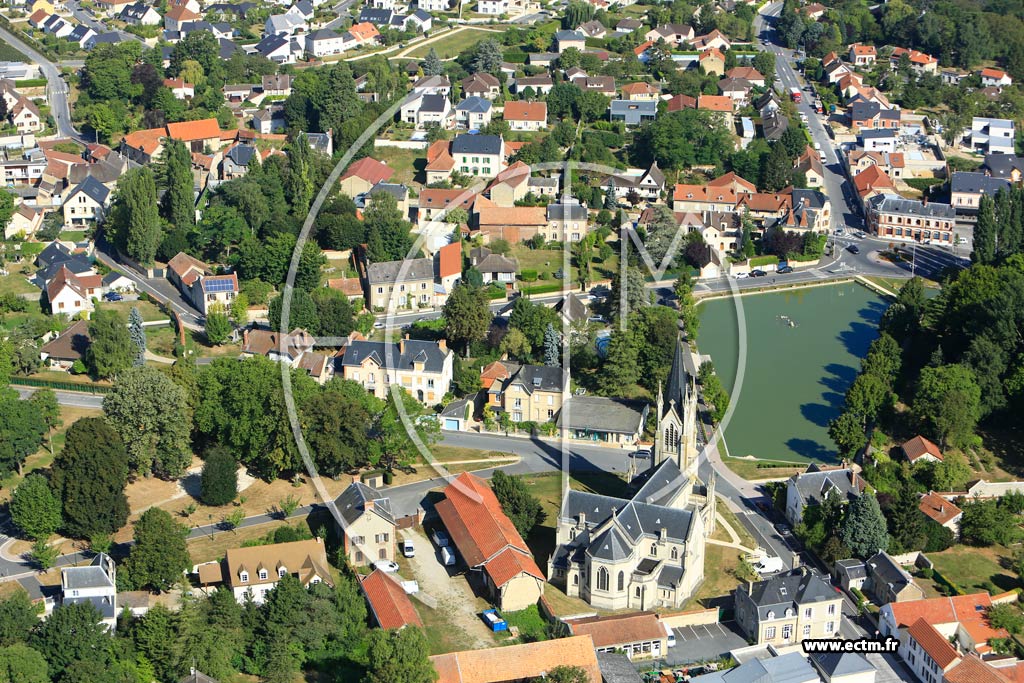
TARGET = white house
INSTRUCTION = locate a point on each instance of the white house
(325, 42)
(433, 5)
(522, 115)
(95, 584)
(492, 7)
(86, 202)
(253, 572)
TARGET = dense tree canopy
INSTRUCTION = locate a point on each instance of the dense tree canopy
(89, 477)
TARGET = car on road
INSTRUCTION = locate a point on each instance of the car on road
(113, 296)
(378, 326)
(785, 270)
(408, 549)
(757, 272)
(853, 249)
(838, 232)
(440, 538)
(597, 319)
(817, 147)
(386, 566)
(783, 529)
(859, 235)
(741, 276)
(641, 454)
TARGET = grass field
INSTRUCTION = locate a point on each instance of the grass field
(974, 568)
(9, 54)
(748, 469)
(408, 163)
(453, 43)
(150, 311)
(15, 283)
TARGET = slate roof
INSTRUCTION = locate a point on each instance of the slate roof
(977, 183)
(474, 105)
(92, 576)
(887, 571)
(351, 503)
(616, 668)
(912, 207)
(812, 487)
(241, 154)
(476, 144)
(788, 668)
(595, 507)
(572, 308)
(433, 103)
(851, 569)
(661, 484)
(611, 546)
(1002, 165)
(602, 414)
(567, 210)
(392, 356)
(788, 590)
(388, 271)
(837, 664)
(91, 188)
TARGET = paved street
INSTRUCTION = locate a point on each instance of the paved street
(56, 88)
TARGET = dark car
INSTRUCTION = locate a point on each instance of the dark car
(757, 272)
(784, 270)
(113, 296)
(853, 249)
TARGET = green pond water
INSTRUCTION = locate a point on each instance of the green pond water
(796, 375)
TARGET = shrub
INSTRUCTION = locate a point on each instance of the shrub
(528, 275)
(220, 477)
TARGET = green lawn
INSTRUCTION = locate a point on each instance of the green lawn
(149, 310)
(754, 469)
(16, 283)
(10, 54)
(453, 44)
(974, 568)
(73, 235)
(407, 162)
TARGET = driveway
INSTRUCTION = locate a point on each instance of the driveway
(448, 594)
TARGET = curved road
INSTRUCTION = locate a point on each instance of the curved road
(56, 88)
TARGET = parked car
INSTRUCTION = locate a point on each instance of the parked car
(783, 528)
(408, 549)
(440, 538)
(785, 270)
(447, 556)
(853, 249)
(769, 565)
(741, 276)
(757, 272)
(642, 454)
(386, 566)
(113, 296)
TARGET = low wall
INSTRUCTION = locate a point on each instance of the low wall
(699, 617)
(401, 144)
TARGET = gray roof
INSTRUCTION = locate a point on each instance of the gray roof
(774, 124)
(643, 106)
(571, 308)
(197, 677)
(610, 546)
(662, 483)
(271, 44)
(388, 271)
(879, 134)
(642, 519)
(567, 210)
(835, 664)
(474, 105)
(887, 571)
(616, 668)
(433, 103)
(496, 263)
(595, 507)
(421, 15)
(811, 198)
(851, 569)
(104, 605)
(813, 486)
(376, 16)
(788, 591)
(91, 188)
(540, 377)
(227, 48)
(476, 144)
(241, 154)
(569, 35)
(77, 264)
(92, 576)
(1002, 165)
(396, 190)
(321, 34)
(600, 414)
(788, 668)
(394, 356)
(55, 252)
(351, 503)
(977, 183)
(911, 207)
(670, 576)
(681, 375)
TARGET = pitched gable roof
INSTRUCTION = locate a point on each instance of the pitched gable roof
(918, 447)
(370, 170)
(189, 131)
(389, 603)
(938, 508)
(933, 643)
(518, 662)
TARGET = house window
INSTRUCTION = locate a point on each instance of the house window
(243, 577)
(787, 631)
(602, 579)
(281, 572)
(383, 554)
(830, 627)
(831, 610)
(654, 550)
(769, 633)
(638, 591)
(263, 575)
(675, 553)
(576, 579)
(807, 631)
(622, 581)
(551, 414)
(807, 613)
(359, 557)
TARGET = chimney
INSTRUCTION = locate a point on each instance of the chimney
(924, 200)
(401, 344)
(441, 344)
(663, 535)
(583, 519)
(367, 505)
(942, 509)
(245, 337)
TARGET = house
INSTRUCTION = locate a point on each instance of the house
(791, 667)
(427, 110)
(843, 667)
(492, 7)
(253, 572)
(368, 524)
(871, 115)
(499, 269)
(178, 15)
(95, 584)
(920, 63)
(967, 189)
(889, 582)
(719, 104)
(364, 33)
(878, 140)
(773, 125)
(962, 616)
(812, 486)
(389, 604)
(571, 310)
(432, 85)
(566, 39)
(851, 573)
(809, 164)
(401, 284)
(479, 155)
(473, 113)
(196, 281)
(941, 511)
(295, 349)
(25, 116)
(1007, 166)
(540, 85)
(990, 136)
(789, 607)
(736, 89)
(433, 201)
(673, 34)
(481, 84)
(813, 11)
(811, 210)
(528, 116)
(862, 55)
(269, 120)
(236, 162)
(566, 221)
(433, 5)
(324, 42)
(198, 136)
(61, 352)
(514, 224)
(285, 24)
(70, 294)
(712, 61)
(647, 184)
(448, 262)
(994, 78)
(489, 544)
(603, 85)
(362, 175)
(140, 14)
(873, 182)
(715, 40)
(632, 113)
(893, 217)
(279, 49)
(592, 29)
(423, 368)
(681, 102)
(747, 73)
(526, 662)
(640, 92)
(527, 393)
(700, 198)
(639, 636)
(179, 88)
(25, 221)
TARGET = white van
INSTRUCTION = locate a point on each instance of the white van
(670, 633)
(447, 556)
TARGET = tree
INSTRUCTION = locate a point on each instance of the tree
(564, 673)
(394, 446)
(515, 344)
(134, 220)
(337, 423)
(159, 556)
(778, 167)
(21, 664)
(866, 396)
(21, 431)
(71, 637)
(152, 415)
(89, 477)
(178, 204)
(110, 351)
(137, 334)
(17, 618)
(907, 530)
(301, 314)
(432, 65)
(688, 315)
(864, 532)
(985, 232)
(34, 509)
(715, 395)
(621, 366)
(6, 207)
(387, 231)
(948, 403)
(951, 474)
(218, 325)
(333, 311)
(399, 656)
(883, 359)
(488, 57)
(219, 481)
(532, 320)
(552, 347)
(986, 522)
(636, 295)
(467, 315)
(847, 432)
(517, 503)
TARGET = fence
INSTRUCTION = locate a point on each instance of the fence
(61, 386)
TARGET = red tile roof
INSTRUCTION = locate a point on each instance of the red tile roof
(518, 662)
(872, 179)
(620, 629)
(938, 508)
(993, 73)
(480, 530)
(64, 278)
(441, 198)
(639, 89)
(704, 193)
(189, 131)
(525, 111)
(146, 141)
(680, 102)
(370, 170)
(715, 103)
(389, 603)
(973, 670)
(449, 260)
(933, 643)
(510, 563)
(918, 447)
(967, 610)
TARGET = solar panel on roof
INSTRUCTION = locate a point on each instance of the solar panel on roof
(225, 285)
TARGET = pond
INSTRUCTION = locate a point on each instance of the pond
(803, 351)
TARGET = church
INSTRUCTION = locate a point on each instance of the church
(646, 552)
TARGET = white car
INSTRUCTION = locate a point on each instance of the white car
(386, 566)
(741, 276)
(408, 549)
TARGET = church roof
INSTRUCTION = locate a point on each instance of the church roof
(678, 378)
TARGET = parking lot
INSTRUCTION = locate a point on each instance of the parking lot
(703, 643)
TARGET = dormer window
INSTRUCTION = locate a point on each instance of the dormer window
(281, 571)
(263, 574)
(243, 576)
(771, 614)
